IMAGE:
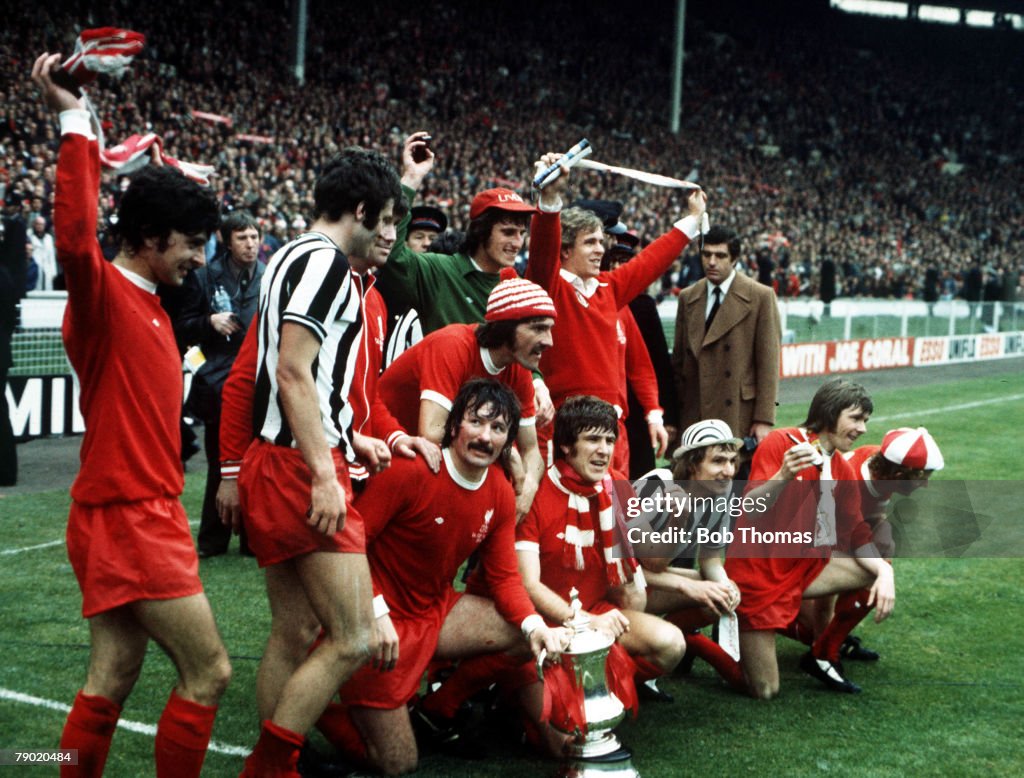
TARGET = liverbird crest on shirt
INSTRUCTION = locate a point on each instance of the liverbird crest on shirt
(481, 533)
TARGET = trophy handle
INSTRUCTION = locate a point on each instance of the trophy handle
(540, 662)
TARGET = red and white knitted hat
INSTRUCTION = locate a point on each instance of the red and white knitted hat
(516, 298)
(914, 449)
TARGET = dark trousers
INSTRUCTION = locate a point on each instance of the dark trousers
(8, 451)
(214, 537)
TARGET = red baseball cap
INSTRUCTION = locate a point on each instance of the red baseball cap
(502, 199)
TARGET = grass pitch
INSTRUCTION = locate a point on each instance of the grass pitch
(944, 700)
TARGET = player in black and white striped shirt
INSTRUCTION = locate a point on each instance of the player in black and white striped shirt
(294, 482)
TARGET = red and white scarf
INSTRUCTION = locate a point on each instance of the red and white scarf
(584, 501)
(111, 50)
(103, 50)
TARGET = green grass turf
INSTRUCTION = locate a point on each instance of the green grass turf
(944, 700)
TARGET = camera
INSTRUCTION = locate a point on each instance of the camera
(749, 444)
(421, 152)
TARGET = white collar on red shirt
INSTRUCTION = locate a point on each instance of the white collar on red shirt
(585, 288)
(489, 366)
(139, 281)
(865, 473)
(457, 477)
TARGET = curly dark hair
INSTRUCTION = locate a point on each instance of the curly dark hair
(159, 200)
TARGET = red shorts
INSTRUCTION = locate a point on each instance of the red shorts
(129, 551)
(771, 589)
(274, 486)
(417, 643)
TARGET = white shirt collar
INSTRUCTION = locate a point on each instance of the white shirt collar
(724, 286)
(865, 473)
(139, 281)
(456, 476)
(585, 288)
(489, 366)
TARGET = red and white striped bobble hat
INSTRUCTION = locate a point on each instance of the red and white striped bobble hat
(914, 449)
(516, 298)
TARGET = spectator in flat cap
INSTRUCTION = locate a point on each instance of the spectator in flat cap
(608, 211)
(425, 224)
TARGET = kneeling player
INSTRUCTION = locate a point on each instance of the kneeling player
(693, 598)
(420, 528)
(825, 512)
(568, 540)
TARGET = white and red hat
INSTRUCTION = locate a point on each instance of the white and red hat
(516, 298)
(912, 448)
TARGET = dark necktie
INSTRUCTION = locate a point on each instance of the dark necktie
(714, 309)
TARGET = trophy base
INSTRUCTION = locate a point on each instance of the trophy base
(613, 764)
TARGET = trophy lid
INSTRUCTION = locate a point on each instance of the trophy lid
(585, 639)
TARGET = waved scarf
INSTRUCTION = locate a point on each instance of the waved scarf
(111, 50)
(586, 500)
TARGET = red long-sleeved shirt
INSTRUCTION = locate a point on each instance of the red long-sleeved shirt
(121, 344)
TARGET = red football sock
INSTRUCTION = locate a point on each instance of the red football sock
(645, 669)
(182, 735)
(275, 755)
(336, 724)
(798, 632)
(89, 728)
(688, 619)
(715, 655)
(471, 676)
(851, 608)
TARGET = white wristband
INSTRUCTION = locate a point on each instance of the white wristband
(380, 608)
(656, 417)
(689, 225)
(530, 623)
(76, 121)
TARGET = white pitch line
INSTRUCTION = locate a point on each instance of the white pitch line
(52, 543)
(131, 726)
(948, 408)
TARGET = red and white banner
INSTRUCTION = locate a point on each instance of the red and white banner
(256, 138)
(852, 356)
(216, 118)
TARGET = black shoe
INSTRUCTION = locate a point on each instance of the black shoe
(456, 736)
(829, 673)
(649, 692)
(206, 553)
(852, 649)
(313, 764)
(686, 663)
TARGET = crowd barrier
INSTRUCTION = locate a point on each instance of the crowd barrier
(42, 393)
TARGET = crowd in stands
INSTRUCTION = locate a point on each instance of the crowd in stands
(886, 159)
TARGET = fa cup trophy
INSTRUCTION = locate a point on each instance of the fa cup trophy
(595, 751)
